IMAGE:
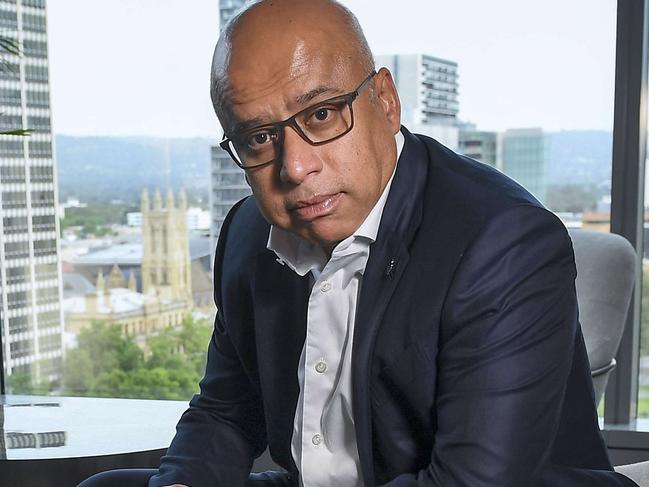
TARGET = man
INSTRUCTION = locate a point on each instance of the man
(390, 313)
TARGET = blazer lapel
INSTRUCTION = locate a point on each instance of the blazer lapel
(281, 299)
(386, 264)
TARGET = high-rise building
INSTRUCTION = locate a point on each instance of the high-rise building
(480, 145)
(228, 186)
(428, 90)
(30, 274)
(525, 156)
(228, 181)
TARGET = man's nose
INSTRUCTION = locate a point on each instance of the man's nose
(299, 159)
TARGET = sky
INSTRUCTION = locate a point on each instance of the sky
(141, 67)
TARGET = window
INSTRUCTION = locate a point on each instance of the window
(520, 102)
(34, 23)
(45, 223)
(36, 73)
(21, 348)
(17, 275)
(44, 247)
(40, 173)
(34, 3)
(37, 49)
(12, 174)
(14, 199)
(42, 199)
(10, 122)
(10, 71)
(49, 319)
(19, 324)
(40, 149)
(38, 99)
(15, 225)
(39, 124)
(19, 299)
(8, 19)
(17, 250)
(10, 97)
(46, 295)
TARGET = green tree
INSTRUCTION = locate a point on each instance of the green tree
(194, 337)
(22, 383)
(109, 349)
(78, 376)
(107, 364)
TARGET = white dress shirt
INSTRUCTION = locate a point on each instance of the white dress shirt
(324, 444)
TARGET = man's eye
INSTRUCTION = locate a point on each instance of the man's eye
(322, 114)
(259, 139)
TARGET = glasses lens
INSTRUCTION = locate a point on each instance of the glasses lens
(326, 121)
(256, 147)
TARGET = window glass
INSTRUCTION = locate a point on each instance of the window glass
(112, 239)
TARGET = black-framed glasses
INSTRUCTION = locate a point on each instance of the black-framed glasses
(318, 124)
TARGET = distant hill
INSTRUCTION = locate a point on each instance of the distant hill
(108, 168)
(580, 157)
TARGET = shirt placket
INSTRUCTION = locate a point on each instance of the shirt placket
(320, 365)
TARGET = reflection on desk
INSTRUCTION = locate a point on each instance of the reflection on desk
(42, 427)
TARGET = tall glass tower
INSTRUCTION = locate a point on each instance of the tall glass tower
(30, 274)
(525, 159)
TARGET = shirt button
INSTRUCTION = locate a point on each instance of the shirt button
(316, 440)
(325, 286)
(320, 367)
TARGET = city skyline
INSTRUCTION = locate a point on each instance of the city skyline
(511, 75)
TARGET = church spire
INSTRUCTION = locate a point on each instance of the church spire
(157, 200)
(170, 200)
(182, 200)
(144, 201)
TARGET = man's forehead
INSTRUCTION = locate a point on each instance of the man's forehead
(248, 113)
(272, 91)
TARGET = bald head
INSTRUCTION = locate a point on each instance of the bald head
(269, 35)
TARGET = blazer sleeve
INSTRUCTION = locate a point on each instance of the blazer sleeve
(223, 430)
(507, 335)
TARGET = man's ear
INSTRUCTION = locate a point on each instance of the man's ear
(388, 98)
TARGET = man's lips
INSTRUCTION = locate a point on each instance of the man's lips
(315, 206)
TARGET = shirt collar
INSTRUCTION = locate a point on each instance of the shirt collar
(302, 256)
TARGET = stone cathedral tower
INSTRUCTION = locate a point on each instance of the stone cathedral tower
(166, 266)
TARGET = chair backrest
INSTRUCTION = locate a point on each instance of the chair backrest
(605, 277)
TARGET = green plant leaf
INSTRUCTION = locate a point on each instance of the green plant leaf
(21, 132)
(9, 45)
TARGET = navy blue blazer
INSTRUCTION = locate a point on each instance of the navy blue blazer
(469, 366)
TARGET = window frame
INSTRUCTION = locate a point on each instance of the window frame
(627, 214)
(627, 193)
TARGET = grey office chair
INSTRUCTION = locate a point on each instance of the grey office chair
(605, 277)
(638, 472)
